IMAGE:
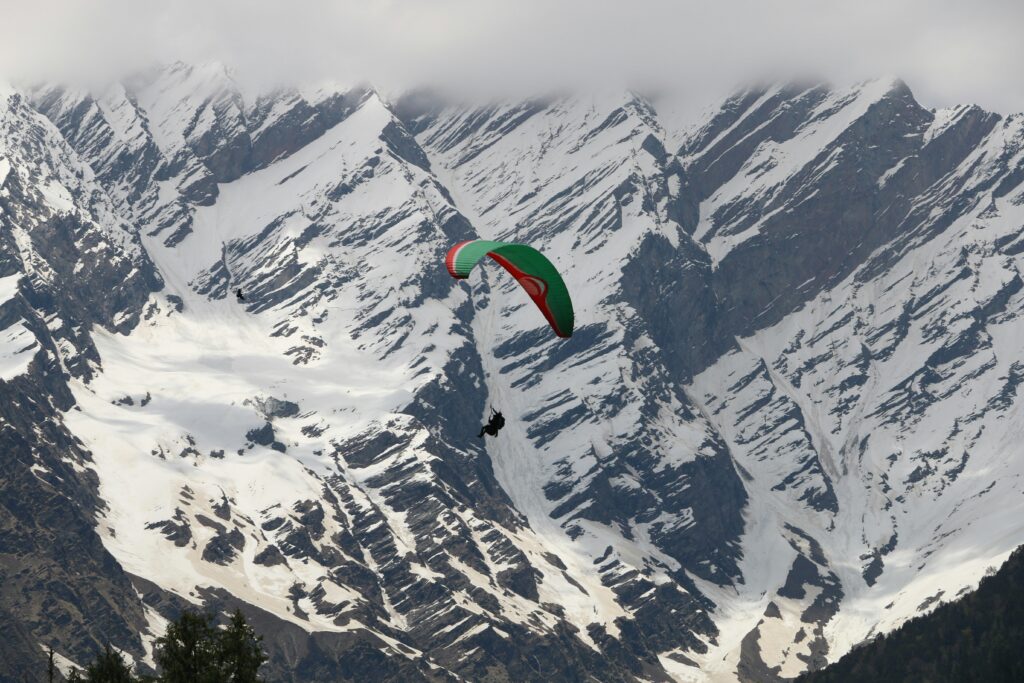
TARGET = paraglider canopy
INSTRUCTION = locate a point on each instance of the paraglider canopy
(531, 268)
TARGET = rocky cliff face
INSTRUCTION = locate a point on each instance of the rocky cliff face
(70, 264)
(784, 422)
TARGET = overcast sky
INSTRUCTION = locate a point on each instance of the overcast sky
(948, 51)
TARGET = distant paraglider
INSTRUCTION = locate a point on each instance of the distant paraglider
(531, 268)
(239, 296)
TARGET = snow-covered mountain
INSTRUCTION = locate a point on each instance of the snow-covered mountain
(785, 422)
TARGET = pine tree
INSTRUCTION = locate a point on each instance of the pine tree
(241, 655)
(192, 651)
(109, 667)
(187, 653)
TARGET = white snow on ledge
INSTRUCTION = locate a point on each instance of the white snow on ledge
(9, 287)
(16, 345)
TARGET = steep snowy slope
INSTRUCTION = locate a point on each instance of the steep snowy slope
(603, 452)
(68, 265)
(796, 189)
(785, 420)
(897, 390)
(310, 451)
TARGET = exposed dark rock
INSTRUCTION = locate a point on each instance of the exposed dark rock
(274, 407)
(269, 557)
(752, 666)
(176, 530)
(223, 547)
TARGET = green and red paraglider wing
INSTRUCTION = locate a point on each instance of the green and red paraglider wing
(531, 268)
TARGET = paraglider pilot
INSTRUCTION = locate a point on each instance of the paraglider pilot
(238, 294)
(494, 424)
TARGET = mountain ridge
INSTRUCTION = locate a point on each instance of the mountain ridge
(705, 437)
